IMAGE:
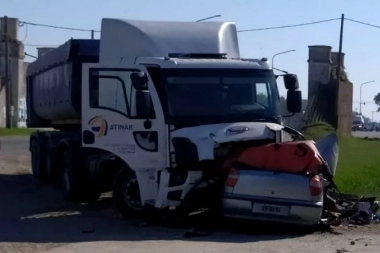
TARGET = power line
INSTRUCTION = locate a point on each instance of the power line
(26, 31)
(289, 26)
(362, 23)
(367, 102)
(21, 23)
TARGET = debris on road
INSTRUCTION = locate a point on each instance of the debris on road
(348, 210)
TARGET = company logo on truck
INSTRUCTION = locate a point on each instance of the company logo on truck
(99, 126)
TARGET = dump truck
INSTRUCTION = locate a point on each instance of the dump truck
(148, 109)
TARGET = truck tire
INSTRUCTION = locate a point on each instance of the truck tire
(74, 183)
(126, 194)
(38, 165)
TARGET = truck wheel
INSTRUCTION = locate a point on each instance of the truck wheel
(74, 184)
(126, 194)
(38, 168)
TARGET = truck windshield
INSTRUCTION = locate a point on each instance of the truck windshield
(221, 95)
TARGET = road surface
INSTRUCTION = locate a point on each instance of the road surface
(34, 218)
(361, 134)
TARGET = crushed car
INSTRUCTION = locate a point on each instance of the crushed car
(287, 181)
(280, 182)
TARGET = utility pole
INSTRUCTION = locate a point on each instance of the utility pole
(92, 34)
(7, 85)
(372, 114)
(339, 70)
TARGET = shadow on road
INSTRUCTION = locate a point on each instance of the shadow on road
(35, 213)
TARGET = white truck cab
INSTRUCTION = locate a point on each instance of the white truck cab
(160, 100)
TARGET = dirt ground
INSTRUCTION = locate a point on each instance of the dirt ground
(34, 218)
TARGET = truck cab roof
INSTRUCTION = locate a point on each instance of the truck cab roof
(128, 39)
(165, 62)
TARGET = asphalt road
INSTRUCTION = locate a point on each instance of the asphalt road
(362, 134)
(34, 218)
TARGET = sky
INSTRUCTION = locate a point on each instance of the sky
(360, 42)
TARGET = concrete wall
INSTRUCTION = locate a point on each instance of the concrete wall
(335, 59)
(333, 95)
(16, 70)
(345, 97)
(320, 64)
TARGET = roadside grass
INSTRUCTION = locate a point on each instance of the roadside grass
(358, 170)
(16, 131)
(317, 130)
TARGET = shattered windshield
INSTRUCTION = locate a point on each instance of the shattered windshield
(222, 94)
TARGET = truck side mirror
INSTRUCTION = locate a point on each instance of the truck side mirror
(294, 101)
(143, 105)
(139, 80)
(291, 82)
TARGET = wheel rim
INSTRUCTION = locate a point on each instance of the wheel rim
(131, 193)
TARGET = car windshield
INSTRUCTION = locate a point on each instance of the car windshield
(221, 95)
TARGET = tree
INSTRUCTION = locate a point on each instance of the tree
(377, 101)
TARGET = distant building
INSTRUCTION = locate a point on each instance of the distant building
(17, 74)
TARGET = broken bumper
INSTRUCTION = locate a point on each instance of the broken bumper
(293, 211)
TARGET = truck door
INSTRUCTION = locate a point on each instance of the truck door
(122, 114)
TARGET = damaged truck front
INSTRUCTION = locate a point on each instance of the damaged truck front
(150, 110)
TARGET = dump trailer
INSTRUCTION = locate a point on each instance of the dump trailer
(144, 110)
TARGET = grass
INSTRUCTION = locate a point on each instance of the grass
(16, 131)
(317, 130)
(358, 170)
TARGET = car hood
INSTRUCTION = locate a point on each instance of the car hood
(205, 137)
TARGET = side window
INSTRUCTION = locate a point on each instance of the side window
(262, 95)
(109, 90)
(113, 90)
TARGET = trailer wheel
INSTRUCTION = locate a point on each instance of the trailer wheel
(38, 168)
(75, 185)
(126, 194)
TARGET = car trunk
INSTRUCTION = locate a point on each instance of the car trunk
(264, 183)
(288, 171)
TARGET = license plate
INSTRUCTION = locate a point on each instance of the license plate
(270, 209)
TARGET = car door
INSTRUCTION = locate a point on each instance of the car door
(115, 117)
